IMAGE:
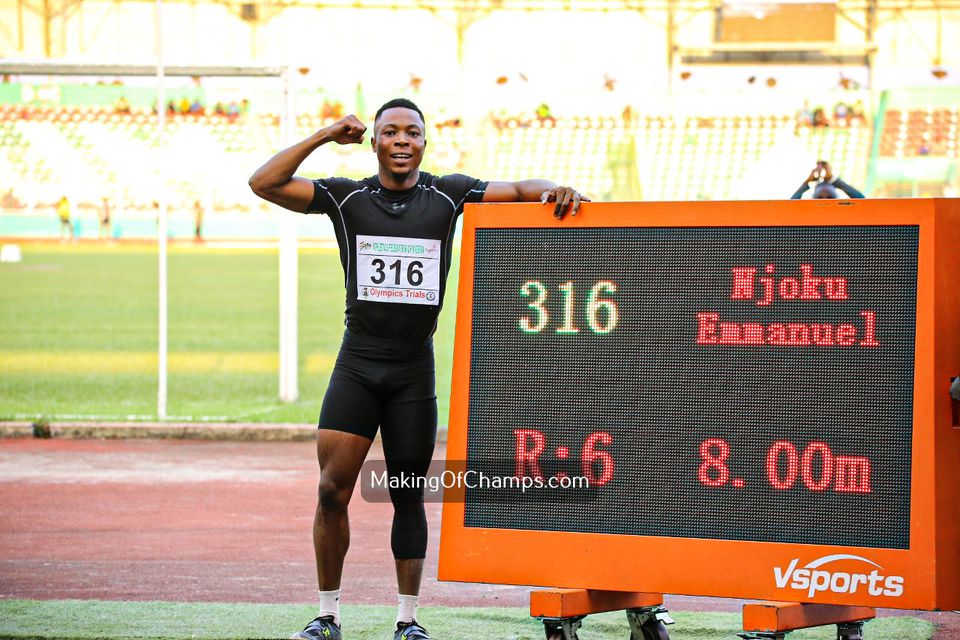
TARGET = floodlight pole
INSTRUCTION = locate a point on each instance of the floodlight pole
(288, 267)
(161, 219)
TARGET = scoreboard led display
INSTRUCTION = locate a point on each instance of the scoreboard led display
(753, 406)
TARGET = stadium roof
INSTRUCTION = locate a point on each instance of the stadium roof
(43, 68)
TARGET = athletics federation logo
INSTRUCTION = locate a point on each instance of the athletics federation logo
(813, 579)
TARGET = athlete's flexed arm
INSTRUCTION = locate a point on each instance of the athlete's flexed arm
(274, 181)
(533, 190)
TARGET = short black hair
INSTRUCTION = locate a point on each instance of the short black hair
(400, 102)
(825, 188)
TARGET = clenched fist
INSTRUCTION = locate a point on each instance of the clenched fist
(347, 130)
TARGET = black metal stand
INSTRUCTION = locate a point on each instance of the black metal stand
(646, 623)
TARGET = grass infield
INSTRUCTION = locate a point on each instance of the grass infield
(86, 619)
(78, 333)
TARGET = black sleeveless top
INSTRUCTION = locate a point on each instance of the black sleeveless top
(395, 248)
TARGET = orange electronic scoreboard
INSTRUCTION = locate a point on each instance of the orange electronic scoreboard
(736, 399)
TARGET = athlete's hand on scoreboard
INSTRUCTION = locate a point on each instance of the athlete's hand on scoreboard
(347, 130)
(565, 197)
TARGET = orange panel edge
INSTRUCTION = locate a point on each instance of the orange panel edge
(567, 603)
(790, 616)
(946, 366)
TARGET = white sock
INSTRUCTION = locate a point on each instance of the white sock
(408, 608)
(330, 605)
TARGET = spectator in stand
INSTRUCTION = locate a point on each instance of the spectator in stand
(196, 107)
(804, 115)
(171, 108)
(122, 106)
(63, 211)
(825, 184)
(449, 122)
(331, 110)
(857, 112)
(841, 111)
(820, 118)
(9, 200)
(544, 114)
(184, 105)
(326, 110)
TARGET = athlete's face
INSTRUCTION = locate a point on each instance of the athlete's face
(398, 140)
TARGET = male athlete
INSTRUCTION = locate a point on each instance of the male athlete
(395, 231)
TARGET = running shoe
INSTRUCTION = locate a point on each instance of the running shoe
(411, 631)
(321, 628)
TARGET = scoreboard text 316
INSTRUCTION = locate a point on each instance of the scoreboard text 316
(741, 399)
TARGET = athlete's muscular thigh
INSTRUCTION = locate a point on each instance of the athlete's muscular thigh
(341, 455)
(351, 403)
(409, 422)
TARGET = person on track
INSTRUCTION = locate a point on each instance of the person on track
(394, 231)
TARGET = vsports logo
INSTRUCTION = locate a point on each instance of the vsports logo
(812, 579)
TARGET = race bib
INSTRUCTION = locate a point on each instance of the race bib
(403, 270)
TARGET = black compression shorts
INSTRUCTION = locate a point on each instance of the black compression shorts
(389, 384)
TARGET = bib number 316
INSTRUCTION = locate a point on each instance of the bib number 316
(398, 270)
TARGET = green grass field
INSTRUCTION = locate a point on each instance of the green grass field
(78, 334)
(75, 619)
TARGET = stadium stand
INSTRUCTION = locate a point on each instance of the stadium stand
(920, 132)
(917, 151)
(575, 151)
(705, 154)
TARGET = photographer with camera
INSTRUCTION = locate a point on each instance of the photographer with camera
(825, 184)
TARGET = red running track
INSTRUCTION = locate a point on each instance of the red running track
(208, 521)
(189, 521)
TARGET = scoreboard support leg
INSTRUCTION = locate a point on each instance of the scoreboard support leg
(561, 628)
(648, 623)
(562, 611)
(774, 620)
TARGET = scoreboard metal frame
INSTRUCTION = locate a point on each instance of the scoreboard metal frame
(927, 573)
